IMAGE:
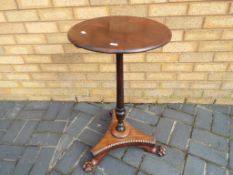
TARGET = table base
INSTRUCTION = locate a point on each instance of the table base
(114, 139)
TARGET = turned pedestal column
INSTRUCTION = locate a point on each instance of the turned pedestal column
(120, 35)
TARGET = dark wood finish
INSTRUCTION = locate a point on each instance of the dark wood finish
(110, 142)
(120, 110)
(119, 34)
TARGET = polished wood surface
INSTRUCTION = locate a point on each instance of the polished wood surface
(120, 109)
(119, 34)
(110, 142)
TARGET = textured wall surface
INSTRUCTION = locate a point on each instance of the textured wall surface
(37, 62)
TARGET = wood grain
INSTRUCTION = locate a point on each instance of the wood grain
(119, 34)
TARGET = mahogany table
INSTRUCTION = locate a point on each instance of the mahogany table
(119, 35)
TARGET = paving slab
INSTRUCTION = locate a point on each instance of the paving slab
(31, 114)
(54, 138)
(158, 167)
(213, 169)
(189, 108)
(231, 155)
(13, 131)
(147, 129)
(133, 156)
(11, 152)
(90, 137)
(26, 132)
(41, 165)
(44, 139)
(27, 160)
(194, 166)
(164, 130)
(4, 124)
(208, 154)
(7, 167)
(65, 111)
(157, 109)
(204, 118)
(177, 115)
(221, 124)
(141, 115)
(52, 111)
(181, 136)
(51, 126)
(210, 139)
(66, 164)
(112, 166)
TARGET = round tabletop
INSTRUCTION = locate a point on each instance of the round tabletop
(119, 34)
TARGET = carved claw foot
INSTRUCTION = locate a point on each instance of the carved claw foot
(160, 151)
(89, 166)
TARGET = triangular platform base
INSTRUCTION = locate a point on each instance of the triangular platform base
(114, 139)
